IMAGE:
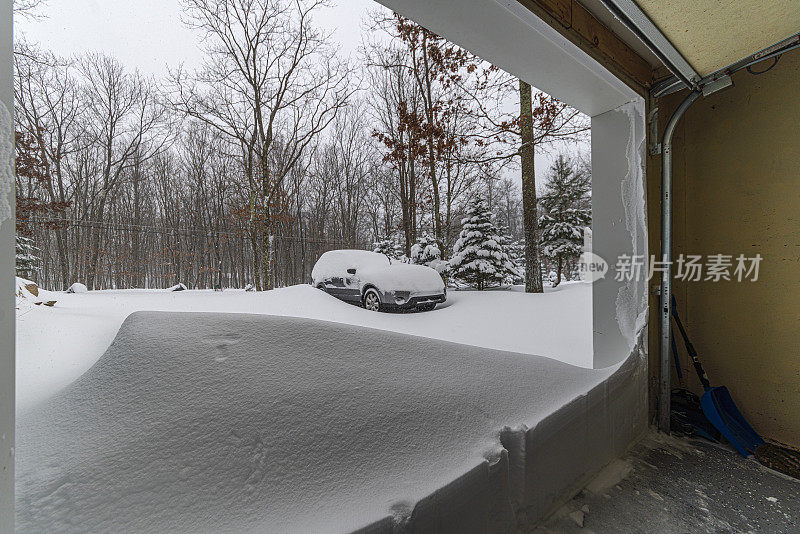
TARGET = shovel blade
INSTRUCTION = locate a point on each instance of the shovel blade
(719, 408)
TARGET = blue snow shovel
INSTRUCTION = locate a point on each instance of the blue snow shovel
(687, 414)
(718, 405)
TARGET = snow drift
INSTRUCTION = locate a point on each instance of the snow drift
(56, 346)
(244, 423)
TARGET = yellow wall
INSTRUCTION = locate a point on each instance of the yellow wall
(737, 190)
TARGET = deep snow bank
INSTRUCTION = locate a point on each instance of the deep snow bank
(57, 345)
(236, 423)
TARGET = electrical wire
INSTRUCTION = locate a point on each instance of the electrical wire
(757, 72)
(239, 232)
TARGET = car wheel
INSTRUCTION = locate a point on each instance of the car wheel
(372, 300)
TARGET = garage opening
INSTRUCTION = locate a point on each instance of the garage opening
(387, 139)
(388, 230)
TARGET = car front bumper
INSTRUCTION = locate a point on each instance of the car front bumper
(413, 302)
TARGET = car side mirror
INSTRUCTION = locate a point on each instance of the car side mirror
(351, 271)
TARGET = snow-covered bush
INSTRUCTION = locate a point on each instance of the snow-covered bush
(478, 256)
(442, 267)
(425, 251)
(389, 247)
(177, 287)
(26, 259)
(77, 287)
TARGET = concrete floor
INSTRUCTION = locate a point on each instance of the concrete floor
(671, 485)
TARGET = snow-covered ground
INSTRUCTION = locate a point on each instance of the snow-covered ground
(56, 345)
(291, 411)
(251, 423)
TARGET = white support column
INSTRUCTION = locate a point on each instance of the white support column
(6, 275)
(618, 228)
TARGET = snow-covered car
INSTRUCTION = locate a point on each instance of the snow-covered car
(377, 282)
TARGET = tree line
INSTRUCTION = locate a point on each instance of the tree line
(277, 149)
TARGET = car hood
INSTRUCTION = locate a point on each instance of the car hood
(403, 277)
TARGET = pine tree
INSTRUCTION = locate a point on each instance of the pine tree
(507, 245)
(478, 256)
(26, 258)
(567, 206)
(516, 253)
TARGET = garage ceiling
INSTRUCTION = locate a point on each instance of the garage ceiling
(712, 34)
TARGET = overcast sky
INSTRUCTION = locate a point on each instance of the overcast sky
(149, 34)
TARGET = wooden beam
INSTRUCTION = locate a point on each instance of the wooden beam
(561, 10)
(577, 24)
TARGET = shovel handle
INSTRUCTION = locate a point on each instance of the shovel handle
(698, 367)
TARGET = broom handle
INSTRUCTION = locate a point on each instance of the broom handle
(690, 348)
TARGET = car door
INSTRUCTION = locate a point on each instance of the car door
(352, 286)
(346, 287)
(336, 287)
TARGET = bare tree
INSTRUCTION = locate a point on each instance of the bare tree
(125, 125)
(275, 160)
(269, 74)
(437, 67)
(28, 8)
(349, 153)
(47, 108)
(395, 106)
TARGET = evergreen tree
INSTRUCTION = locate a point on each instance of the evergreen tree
(513, 276)
(479, 258)
(26, 258)
(516, 253)
(567, 206)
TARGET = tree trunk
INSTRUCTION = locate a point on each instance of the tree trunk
(267, 256)
(256, 269)
(63, 260)
(558, 272)
(406, 206)
(530, 217)
(135, 237)
(253, 232)
(94, 265)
